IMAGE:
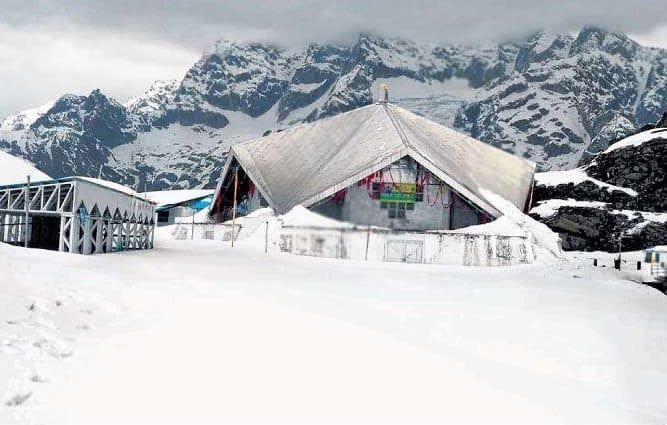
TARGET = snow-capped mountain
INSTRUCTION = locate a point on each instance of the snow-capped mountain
(567, 94)
(556, 99)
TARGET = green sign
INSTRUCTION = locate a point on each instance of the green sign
(399, 192)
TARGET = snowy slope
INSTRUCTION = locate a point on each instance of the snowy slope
(196, 331)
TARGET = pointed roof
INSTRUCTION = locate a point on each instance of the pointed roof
(307, 163)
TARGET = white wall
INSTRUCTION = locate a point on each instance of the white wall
(426, 248)
(373, 245)
(433, 213)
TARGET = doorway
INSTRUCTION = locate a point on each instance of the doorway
(45, 232)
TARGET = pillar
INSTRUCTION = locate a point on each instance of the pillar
(61, 238)
(74, 233)
(99, 237)
(87, 248)
(109, 225)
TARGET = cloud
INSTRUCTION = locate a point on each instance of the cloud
(654, 38)
(40, 66)
(49, 47)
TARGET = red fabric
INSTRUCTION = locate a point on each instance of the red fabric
(339, 197)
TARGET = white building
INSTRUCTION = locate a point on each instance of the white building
(172, 205)
(75, 214)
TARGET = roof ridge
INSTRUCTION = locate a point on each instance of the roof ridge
(304, 123)
(397, 126)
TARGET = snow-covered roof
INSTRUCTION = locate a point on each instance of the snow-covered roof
(307, 163)
(116, 187)
(111, 185)
(172, 197)
(15, 170)
(638, 139)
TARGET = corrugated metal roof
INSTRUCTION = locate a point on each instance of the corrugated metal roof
(307, 163)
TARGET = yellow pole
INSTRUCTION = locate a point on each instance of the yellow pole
(236, 186)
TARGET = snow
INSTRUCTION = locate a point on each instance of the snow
(502, 226)
(576, 176)
(111, 185)
(170, 197)
(541, 235)
(154, 99)
(638, 139)
(549, 207)
(543, 41)
(195, 331)
(300, 216)
(26, 118)
(647, 217)
(15, 170)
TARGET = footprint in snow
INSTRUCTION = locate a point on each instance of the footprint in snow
(18, 399)
(39, 379)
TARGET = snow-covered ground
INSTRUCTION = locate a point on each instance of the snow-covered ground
(195, 331)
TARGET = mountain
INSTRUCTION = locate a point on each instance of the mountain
(566, 95)
(556, 99)
(623, 190)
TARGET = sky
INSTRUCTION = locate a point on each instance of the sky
(52, 47)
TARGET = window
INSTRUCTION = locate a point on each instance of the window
(383, 205)
(375, 191)
(419, 194)
(401, 211)
(317, 245)
(396, 210)
(163, 216)
(262, 201)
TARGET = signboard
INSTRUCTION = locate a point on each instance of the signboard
(399, 192)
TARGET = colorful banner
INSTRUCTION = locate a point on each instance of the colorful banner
(399, 192)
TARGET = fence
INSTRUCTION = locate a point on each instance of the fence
(409, 247)
(374, 244)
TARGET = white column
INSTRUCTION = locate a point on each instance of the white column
(87, 233)
(99, 237)
(109, 226)
(61, 238)
(74, 234)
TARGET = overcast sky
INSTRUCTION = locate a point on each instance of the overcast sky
(52, 47)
